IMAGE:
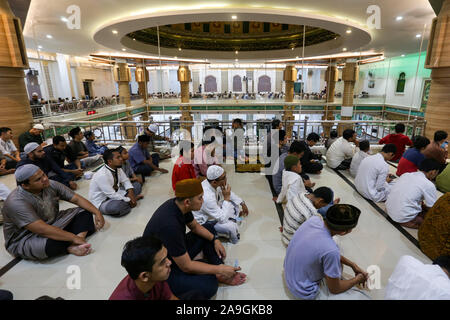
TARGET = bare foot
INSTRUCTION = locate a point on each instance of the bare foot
(337, 200)
(237, 280)
(80, 250)
(139, 197)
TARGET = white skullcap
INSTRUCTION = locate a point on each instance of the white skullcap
(30, 147)
(153, 128)
(38, 126)
(34, 94)
(214, 172)
(25, 172)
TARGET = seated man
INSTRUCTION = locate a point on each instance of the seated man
(292, 181)
(35, 229)
(437, 149)
(8, 148)
(92, 147)
(340, 154)
(110, 190)
(373, 179)
(310, 161)
(399, 139)
(434, 232)
(183, 167)
(362, 153)
(140, 159)
(405, 201)
(205, 156)
(414, 280)
(313, 263)
(301, 208)
(220, 205)
(3, 162)
(148, 268)
(151, 131)
(270, 168)
(443, 180)
(35, 154)
(79, 149)
(412, 157)
(332, 139)
(169, 222)
(33, 135)
(136, 181)
(4, 193)
(59, 152)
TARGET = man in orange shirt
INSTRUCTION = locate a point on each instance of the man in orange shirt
(399, 139)
(184, 168)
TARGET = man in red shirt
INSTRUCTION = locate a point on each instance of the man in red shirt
(184, 168)
(399, 139)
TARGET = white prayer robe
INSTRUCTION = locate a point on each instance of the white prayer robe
(292, 186)
(370, 180)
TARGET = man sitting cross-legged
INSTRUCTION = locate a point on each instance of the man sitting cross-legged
(136, 181)
(313, 263)
(110, 190)
(220, 205)
(148, 267)
(140, 159)
(169, 223)
(35, 229)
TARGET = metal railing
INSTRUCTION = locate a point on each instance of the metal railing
(123, 132)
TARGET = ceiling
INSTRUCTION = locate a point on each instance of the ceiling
(329, 17)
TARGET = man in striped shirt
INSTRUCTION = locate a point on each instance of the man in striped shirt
(301, 208)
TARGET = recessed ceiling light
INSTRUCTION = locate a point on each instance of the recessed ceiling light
(403, 55)
(234, 17)
(49, 36)
(179, 49)
(134, 39)
(236, 52)
(399, 18)
(39, 47)
(64, 19)
(292, 48)
(115, 31)
(349, 31)
(124, 49)
(344, 49)
(236, 60)
(418, 35)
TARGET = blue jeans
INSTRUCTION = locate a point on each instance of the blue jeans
(205, 284)
(323, 210)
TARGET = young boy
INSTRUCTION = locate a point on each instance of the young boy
(363, 152)
(184, 167)
(399, 139)
(136, 181)
(292, 181)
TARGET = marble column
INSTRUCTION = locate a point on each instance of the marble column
(349, 76)
(122, 75)
(184, 77)
(142, 78)
(331, 77)
(289, 77)
(15, 111)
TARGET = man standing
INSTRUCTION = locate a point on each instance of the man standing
(80, 150)
(405, 201)
(169, 223)
(220, 205)
(313, 263)
(35, 229)
(35, 154)
(140, 159)
(33, 135)
(110, 190)
(339, 155)
(373, 180)
(8, 148)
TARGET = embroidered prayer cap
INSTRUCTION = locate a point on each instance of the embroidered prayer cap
(214, 172)
(25, 172)
(30, 147)
(188, 188)
(153, 128)
(290, 161)
(38, 126)
(342, 217)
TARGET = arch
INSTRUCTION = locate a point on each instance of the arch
(237, 83)
(210, 84)
(264, 84)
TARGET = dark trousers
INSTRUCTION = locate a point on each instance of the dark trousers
(344, 164)
(5, 295)
(144, 169)
(204, 285)
(312, 167)
(10, 164)
(82, 222)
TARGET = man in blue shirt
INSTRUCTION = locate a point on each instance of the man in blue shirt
(140, 159)
(313, 263)
(92, 147)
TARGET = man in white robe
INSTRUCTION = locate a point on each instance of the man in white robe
(220, 205)
(372, 180)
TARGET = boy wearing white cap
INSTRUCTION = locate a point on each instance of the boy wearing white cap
(32, 135)
(220, 204)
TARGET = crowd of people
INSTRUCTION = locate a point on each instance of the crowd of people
(166, 263)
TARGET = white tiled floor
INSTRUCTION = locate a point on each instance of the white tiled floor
(260, 252)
